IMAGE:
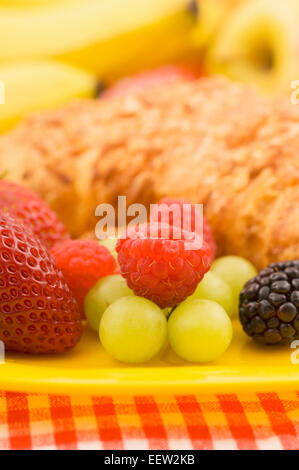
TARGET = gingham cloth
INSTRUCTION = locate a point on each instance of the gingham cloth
(255, 421)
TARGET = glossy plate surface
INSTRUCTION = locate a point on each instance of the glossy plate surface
(88, 369)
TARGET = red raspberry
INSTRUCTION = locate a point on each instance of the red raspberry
(38, 313)
(32, 211)
(157, 212)
(149, 78)
(162, 269)
(83, 263)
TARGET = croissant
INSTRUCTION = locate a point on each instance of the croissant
(209, 141)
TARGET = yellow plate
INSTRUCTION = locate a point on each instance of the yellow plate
(88, 369)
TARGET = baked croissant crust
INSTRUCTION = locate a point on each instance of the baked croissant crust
(210, 141)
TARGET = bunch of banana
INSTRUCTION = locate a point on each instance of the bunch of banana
(259, 43)
(111, 38)
(51, 51)
(38, 85)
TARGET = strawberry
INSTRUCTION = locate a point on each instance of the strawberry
(149, 78)
(33, 212)
(38, 313)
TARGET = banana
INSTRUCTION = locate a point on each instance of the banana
(39, 85)
(29, 3)
(212, 13)
(108, 37)
(259, 44)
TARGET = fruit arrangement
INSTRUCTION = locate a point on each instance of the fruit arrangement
(168, 290)
(163, 279)
(48, 281)
(44, 275)
(147, 291)
(160, 272)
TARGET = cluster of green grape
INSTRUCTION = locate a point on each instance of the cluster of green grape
(134, 330)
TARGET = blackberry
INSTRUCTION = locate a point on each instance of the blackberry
(269, 304)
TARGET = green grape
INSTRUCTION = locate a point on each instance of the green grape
(214, 288)
(236, 271)
(133, 329)
(105, 292)
(199, 330)
(110, 243)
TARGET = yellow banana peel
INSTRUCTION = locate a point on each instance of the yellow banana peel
(108, 37)
(212, 14)
(39, 85)
(258, 44)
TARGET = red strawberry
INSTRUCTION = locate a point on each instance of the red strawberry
(149, 78)
(38, 313)
(24, 204)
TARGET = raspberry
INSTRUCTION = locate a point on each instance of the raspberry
(269, 304)
(187, 219)
(32, 211)
(161, 269)
(83, 263)
(38, 313)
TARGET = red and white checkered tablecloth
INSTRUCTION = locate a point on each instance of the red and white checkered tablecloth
(255, 421)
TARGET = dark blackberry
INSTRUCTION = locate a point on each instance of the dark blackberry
(269, 304)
